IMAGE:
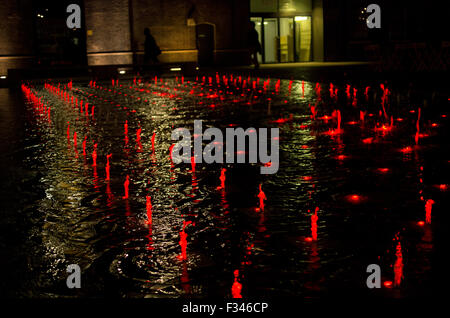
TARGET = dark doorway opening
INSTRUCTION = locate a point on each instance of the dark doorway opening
(54, 43)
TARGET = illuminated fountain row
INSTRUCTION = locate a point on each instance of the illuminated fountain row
(246, 91)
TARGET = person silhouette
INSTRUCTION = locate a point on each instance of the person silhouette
(253, 44)
(151, 49)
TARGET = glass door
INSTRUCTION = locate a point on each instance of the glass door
(286, 40)
(302, 38)
(270, 46)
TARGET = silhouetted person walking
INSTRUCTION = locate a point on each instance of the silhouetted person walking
(151, 49)
(254, 46)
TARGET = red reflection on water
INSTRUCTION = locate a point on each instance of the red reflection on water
(68, 131)
(283, 120)
(428, 207)
(262, 197)
(236, 288)
(126, 185)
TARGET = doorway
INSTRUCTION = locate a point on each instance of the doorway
(55, 44)
(286, 39)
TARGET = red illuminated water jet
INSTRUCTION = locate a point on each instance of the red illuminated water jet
(193, 164)
(236, 288)
(84, 145)
(314, 219)
(416, 138)
(170, 152)
(313, 111)
(149, 209)
(428, 207)
(138, 135)
(126, 185)
(153, 144)
(75, 139)
(398, 266)
(94, 156)
(107, 166)
(222, 179)
(183, 241)
(262, 197)
(339, 121)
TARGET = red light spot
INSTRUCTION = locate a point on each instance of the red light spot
(305, 147)
(341, 157)
(406, 149)
(421, 223)
(434, 125)
(355, 198)
(306, 178)
(443, 187)
(387, 284)
(368, 140)
(308, 239)
(383, 128)
(383, 170)
(351, 123)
